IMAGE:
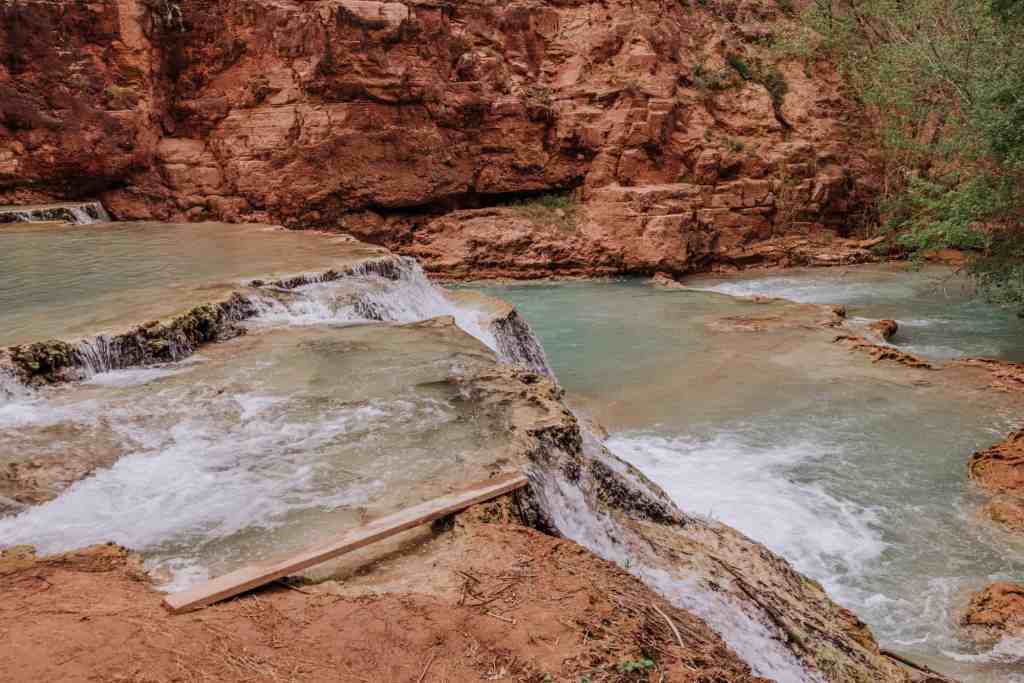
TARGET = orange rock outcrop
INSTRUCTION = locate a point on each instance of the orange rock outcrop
(682, 137)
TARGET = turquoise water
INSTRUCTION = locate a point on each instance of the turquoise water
(69, 281)
(937, 310)
(852, 471)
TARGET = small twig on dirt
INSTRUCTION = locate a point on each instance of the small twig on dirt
(500, 617)
(671, 625)
(426, 668)
(468, 575)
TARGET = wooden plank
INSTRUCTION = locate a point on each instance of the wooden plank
(255, 575)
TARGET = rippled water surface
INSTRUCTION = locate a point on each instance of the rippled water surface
(262, 445)
(936, 309)
(68, 281)
(854, 472)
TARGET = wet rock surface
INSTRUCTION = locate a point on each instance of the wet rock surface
(999, 470)
(994, 613)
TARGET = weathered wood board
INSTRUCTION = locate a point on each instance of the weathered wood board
(255, 575)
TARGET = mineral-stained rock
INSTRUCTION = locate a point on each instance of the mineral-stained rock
(394, 120)
(1000, 468)
(995, 612)
(885, 329)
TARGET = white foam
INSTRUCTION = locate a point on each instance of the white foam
(242, 462)
(1008, 650)
(748, 488)
(801, 290)
(365, 297)
(134, 376)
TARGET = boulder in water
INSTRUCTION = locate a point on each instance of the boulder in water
(886, 329)
(666, 281)
(995, 612)
(1000, 468)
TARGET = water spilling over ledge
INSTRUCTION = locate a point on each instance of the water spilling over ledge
(356, 388)
(77, 213)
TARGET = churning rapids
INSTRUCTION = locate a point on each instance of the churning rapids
(327, 412)
(856, 477)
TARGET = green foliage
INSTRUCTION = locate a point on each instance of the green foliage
(774, 82)
(737, 63)
(555, 210)
(946, 79)
(635, 665)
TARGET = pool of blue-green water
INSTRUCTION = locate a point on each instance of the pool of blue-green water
(853, 471)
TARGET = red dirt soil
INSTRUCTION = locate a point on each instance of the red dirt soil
(527, 607)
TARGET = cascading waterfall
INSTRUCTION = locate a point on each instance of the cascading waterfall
(392, 289)
(84, 213)
(576, 514)
(396, 290)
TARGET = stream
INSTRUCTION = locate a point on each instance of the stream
(857, 478)
(332, 409)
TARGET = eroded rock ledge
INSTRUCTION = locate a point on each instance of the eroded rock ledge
(418, 125)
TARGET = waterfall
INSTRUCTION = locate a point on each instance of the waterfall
(390, 289)
(82, 213)
(582, 511)
(394, 290)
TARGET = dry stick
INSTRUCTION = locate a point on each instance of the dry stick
(426, 668)
(499, 617)
(906, 662)
(671, 625)
(284, 583)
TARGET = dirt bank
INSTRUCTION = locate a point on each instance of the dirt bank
(485, 601)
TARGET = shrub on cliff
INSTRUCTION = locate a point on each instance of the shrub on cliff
(555, 210)
(946, 80)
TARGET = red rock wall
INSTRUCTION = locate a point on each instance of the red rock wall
(394, 120)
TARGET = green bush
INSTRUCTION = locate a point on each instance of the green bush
(947, 81)
(737, 63)
(556, 210)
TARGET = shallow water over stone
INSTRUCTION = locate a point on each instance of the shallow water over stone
(854, 472)
(262, 445)
(937, 312)
(66, 281)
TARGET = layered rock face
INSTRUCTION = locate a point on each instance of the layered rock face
(679, 132)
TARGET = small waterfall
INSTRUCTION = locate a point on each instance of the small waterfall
(92, 212)
(518, 345)
(82, 213)
(390, 290)
(10, 387)
(581, 510)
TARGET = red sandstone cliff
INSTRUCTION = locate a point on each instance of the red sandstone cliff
(415, 124)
